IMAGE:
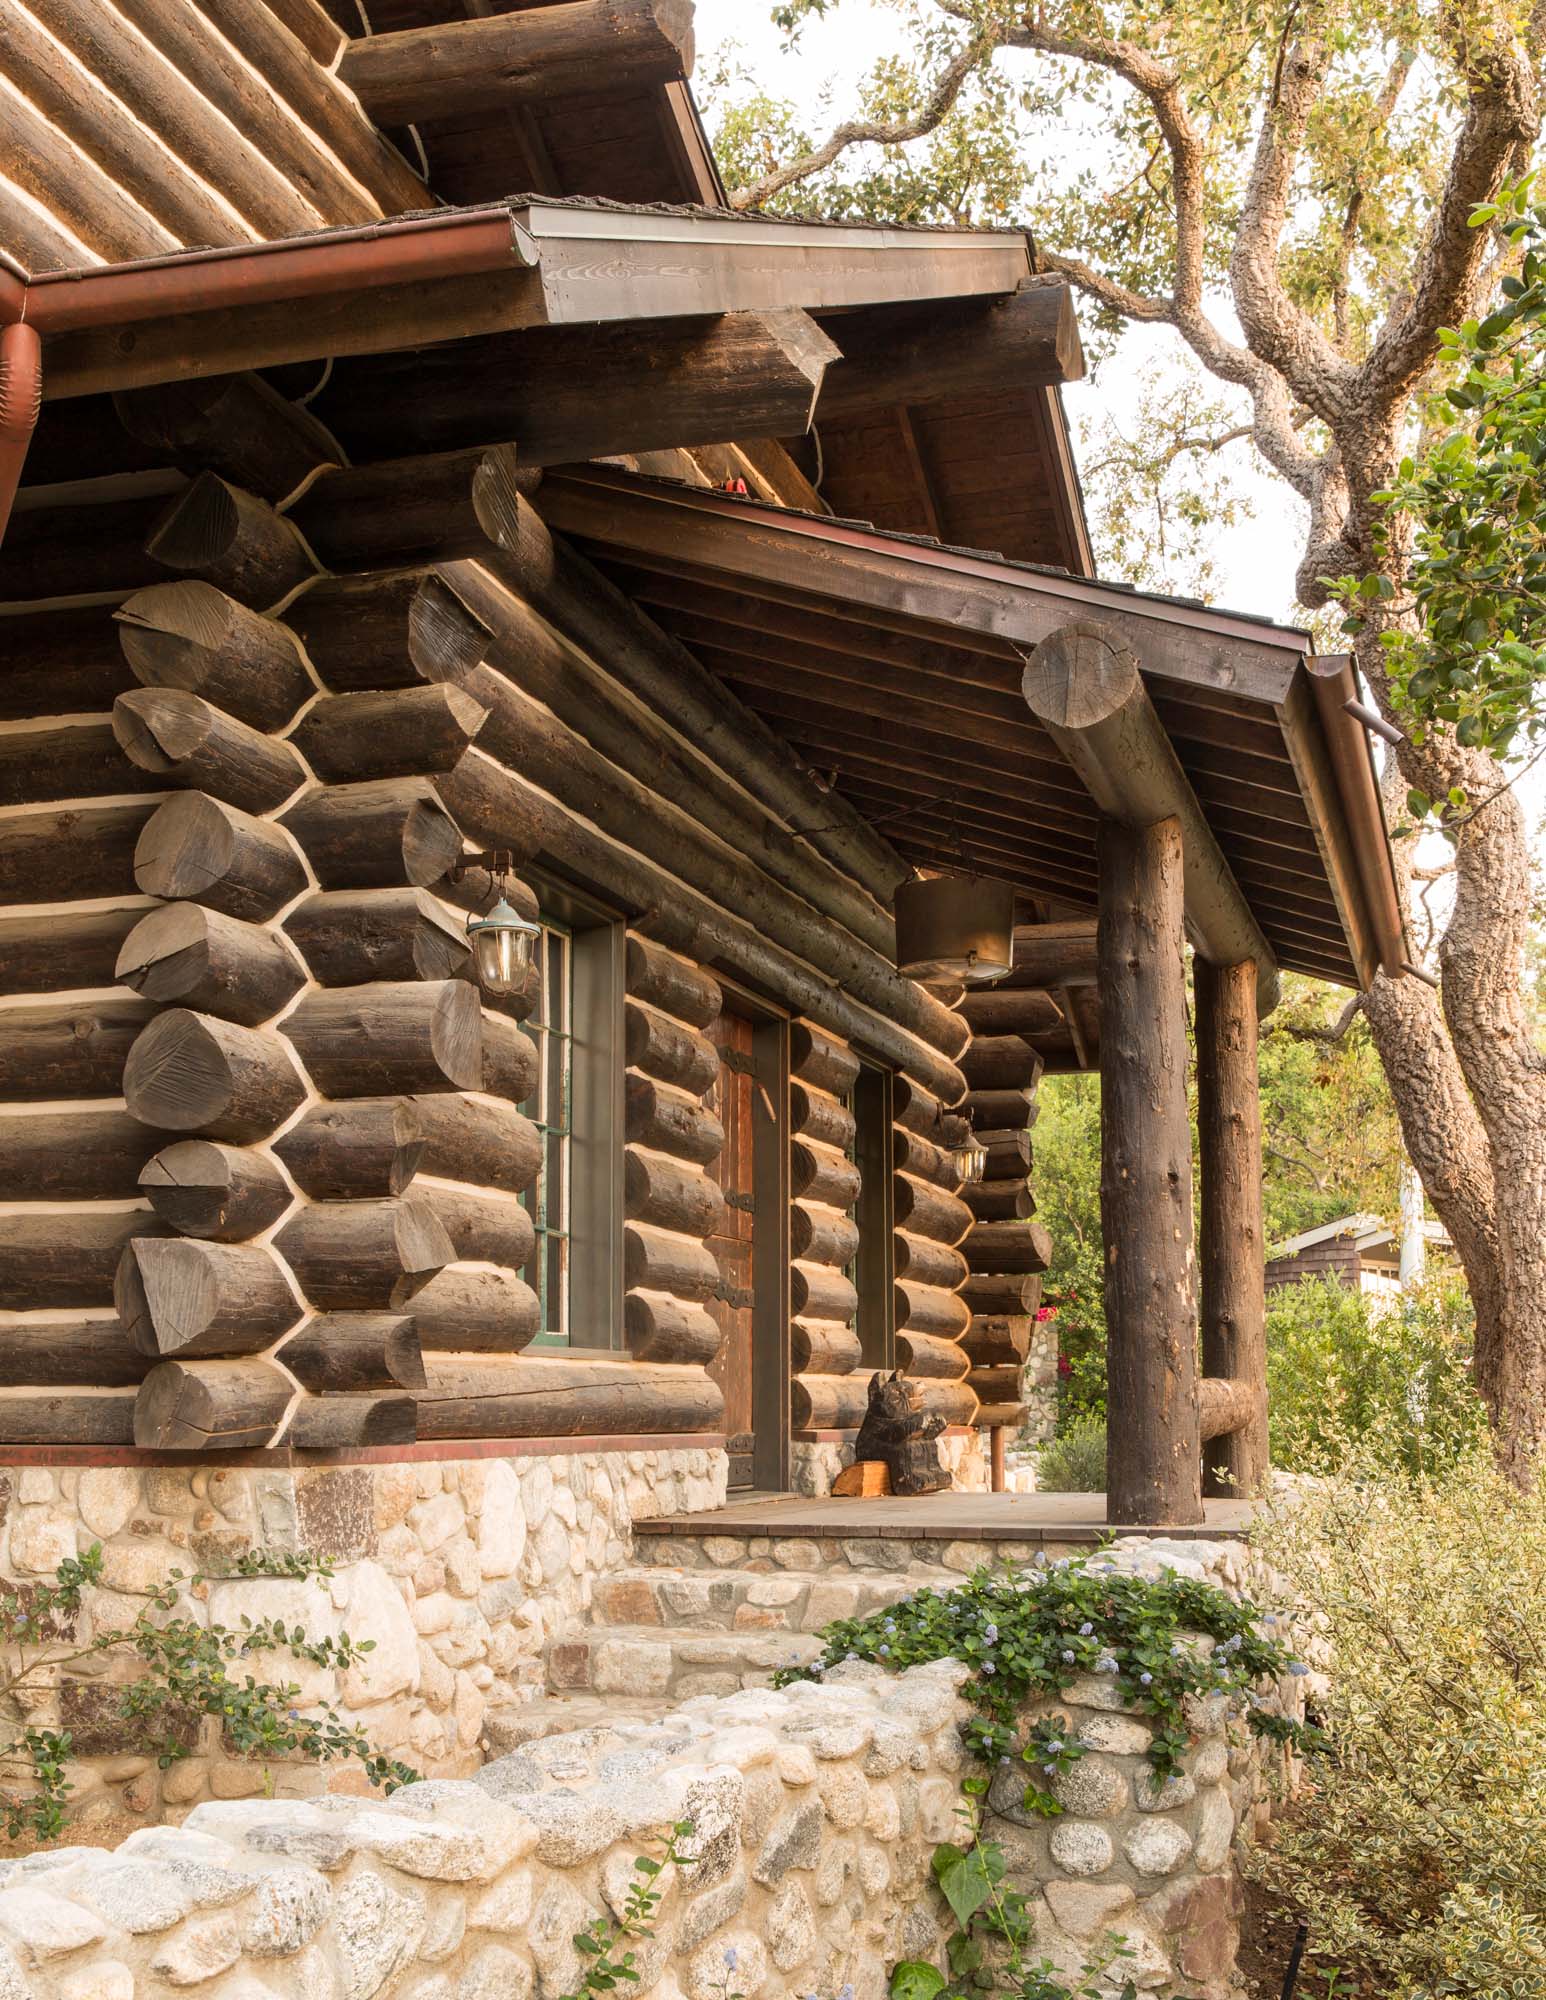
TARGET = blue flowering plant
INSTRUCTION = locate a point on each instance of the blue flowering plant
(1028, 1632)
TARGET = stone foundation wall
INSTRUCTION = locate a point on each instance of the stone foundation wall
(815, 1812)
(461, 1570)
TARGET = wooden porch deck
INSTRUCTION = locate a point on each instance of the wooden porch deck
(1036, 1518)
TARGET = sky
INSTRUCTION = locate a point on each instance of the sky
(1254, 560)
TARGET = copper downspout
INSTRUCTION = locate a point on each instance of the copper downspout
(21, 400)
(1334, 685)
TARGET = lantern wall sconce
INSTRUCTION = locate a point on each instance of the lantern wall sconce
(501, 938)
(970, 1160)
(955, 927)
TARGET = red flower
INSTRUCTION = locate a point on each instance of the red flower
(1065, 1366)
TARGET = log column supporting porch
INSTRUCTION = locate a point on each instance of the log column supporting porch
(1161, 875)
(1153, 1442)
(1231, 1264)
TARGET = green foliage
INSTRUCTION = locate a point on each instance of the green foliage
(605, 1967)
(1419, 1855)
(1332, 1145)
(1474, 656)
(1075, 1461)
(1067, 1141)
(184, 1670)
(1399, 1372)
(1027, 1634)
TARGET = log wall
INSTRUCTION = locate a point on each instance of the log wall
(931, 1225)
(262, 1139)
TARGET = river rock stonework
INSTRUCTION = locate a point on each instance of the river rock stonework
(815, 1812)
(461, 1570)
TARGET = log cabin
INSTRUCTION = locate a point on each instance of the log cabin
(419, 487)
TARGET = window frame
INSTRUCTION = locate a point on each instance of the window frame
(592, 1317)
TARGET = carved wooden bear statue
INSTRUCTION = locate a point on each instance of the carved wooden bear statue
(896, 1431)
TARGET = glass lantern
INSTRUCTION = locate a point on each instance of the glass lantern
(501, 947)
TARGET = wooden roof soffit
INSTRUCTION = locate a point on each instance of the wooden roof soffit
(452, 68)
(1084, 686)
(975, 600)
(888, 356)
(458, 273)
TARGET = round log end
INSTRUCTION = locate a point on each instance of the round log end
(1078, 676)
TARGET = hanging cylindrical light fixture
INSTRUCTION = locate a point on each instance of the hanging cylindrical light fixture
(501, 938)
(501, 946)
(955, 927)
(970, 1159)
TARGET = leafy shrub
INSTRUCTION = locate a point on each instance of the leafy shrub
(186, 1670)
(1068, 1202)
(1075, 1460)
(1401, 1373)
(1419, 1860)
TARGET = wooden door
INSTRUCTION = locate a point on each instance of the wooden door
(734, 1306)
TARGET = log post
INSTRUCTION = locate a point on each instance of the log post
(1153, 1463)
(1231, 1251)
(1083, 685)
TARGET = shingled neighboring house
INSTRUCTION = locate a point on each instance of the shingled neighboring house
(1362, 1252)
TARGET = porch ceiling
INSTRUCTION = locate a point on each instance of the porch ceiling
(895, 665)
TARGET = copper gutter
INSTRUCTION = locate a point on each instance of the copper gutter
(1334, 686)
(453, 243)
(448, 244)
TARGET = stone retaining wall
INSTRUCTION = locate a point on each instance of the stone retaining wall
(815, 1812)
(460, 1570)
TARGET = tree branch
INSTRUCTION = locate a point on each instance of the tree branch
(1280, 332)
(936, 107)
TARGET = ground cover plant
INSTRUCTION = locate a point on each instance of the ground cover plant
(175, 1671)
(1028, 1634)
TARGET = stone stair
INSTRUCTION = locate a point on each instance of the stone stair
(661, 1631)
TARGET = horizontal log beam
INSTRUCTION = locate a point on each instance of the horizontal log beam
(210, 1406)
(201, 1188)
(563, 394)
(1083, 684)
(1226, 1407)
(894, 355)
(202, 849)
(457, 67)
(522, 1396)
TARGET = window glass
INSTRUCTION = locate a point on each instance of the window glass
(551, 1109)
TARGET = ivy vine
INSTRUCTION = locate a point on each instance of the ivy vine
(185, 1670)
(1029, 1633)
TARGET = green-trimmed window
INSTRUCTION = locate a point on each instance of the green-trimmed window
(551, 1109)
(576, 1203)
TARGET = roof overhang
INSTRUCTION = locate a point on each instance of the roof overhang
(456, 272)
(896, 663)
